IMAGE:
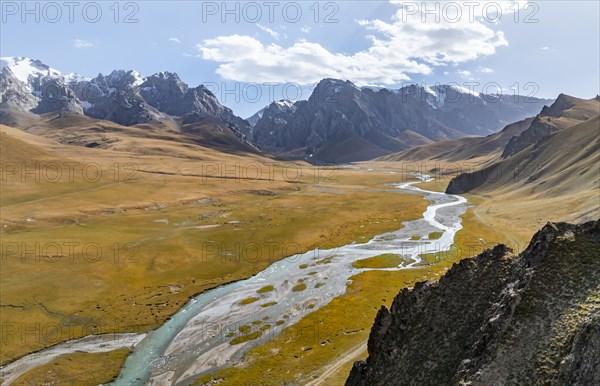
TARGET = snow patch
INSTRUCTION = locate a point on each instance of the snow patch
(285, 103)
(29, 70)
(76, 78)
(464, 90)
(139, 79)
(25, 68)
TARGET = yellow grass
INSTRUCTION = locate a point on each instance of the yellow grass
(248, 300)
(299, 287)
(382, 261)
(77, 369)
(265, 289)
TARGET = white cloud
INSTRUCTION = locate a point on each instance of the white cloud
(465, 74)
(306, 29)
(397, 48)
(545, 48)
(79, 43)
(485, 70)
(175, 40)
(273, 34)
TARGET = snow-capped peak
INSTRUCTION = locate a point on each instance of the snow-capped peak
(132, 77)
(26, 69)
(139, 78)
(29, 70)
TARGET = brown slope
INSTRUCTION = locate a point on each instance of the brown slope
(412, 138)
(166, 136)
(14, 151)
(464, 148)
(217, 135)
(392, 144)
(12, 116)
(351, 147)
(563, 162)
(565, 112)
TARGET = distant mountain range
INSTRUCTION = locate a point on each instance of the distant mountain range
(338, 123)
(123, 97)
(341, 122)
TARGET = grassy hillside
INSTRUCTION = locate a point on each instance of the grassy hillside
(462, 149)
(557, 179)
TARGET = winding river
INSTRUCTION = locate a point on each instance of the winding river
(196, 340)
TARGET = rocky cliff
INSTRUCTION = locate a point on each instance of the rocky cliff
(124, 97)
(342, 121)
(497, 319)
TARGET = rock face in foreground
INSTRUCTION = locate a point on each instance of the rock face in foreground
(497, 319)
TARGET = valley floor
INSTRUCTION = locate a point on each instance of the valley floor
(125, 235)
(119, 241)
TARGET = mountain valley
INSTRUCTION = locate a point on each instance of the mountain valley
(129, 200)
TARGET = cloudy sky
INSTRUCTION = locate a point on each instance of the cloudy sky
(251, 53)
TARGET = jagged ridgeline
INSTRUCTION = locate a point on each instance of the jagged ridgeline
(339, 122)
(497, 319)
(123, 97)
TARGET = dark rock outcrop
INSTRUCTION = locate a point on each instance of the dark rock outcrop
(116, 97)
(271, 119)
(57, 96)
(497, 319)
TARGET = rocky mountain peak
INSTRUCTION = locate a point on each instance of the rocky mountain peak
(283, 105)
(562, 103)
(28, 70)
(551, 119)
(327, 89)
(123, 96)
(124, 78)
(374, 121)
(271, 118)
